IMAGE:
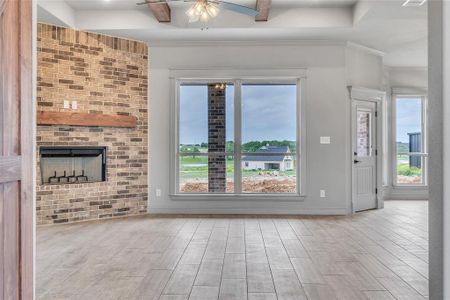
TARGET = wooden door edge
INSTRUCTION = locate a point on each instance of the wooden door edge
(27, 217)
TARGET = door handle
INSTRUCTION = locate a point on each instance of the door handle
(356, 161)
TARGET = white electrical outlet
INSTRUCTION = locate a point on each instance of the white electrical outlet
(158, 193)
(325, 140)
(323, 194)
(66, 104)
(74, 105)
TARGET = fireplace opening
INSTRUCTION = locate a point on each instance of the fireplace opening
(69, 165)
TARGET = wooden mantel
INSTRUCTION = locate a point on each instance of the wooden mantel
(84, 119)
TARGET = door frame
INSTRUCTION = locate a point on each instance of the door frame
(19, 164)
(378, 97)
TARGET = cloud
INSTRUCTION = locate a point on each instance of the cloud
(409, 117)
(268, 113)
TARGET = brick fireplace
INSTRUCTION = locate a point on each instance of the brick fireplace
(96, 75)
(63, 165)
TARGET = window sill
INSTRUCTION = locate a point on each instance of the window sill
(238, 197)
(411, 187)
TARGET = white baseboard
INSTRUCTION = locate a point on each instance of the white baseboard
(252, 211)
(407, 194)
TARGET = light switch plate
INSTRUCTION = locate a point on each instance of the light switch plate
(74, 105)
(66, 104)
(325, 140)
(158, 193)
(323, 194)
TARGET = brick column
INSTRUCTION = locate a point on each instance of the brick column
(217, 165)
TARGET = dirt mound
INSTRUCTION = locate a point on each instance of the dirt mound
(248, 186)
(409, 179)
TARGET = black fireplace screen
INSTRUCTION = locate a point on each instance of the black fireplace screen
(62, 165)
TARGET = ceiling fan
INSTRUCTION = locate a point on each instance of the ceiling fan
(203, 10)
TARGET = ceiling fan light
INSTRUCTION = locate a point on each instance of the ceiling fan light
(205, 16)
(199, 8)
(190, 12)
(212, 10)
(202, 10)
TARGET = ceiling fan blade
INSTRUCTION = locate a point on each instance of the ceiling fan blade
(162, 1)
(236, 8)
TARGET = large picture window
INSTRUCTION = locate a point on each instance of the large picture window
(237, 137)
(269, 130)
(410, 140)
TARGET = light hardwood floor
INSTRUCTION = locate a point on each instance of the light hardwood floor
(380, 254)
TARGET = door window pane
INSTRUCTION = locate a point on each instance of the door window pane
(363, 130)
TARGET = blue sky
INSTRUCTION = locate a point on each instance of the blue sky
(409, 117)
(269, 113)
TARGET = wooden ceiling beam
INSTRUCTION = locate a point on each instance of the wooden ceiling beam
(263, 7)
(161, 11)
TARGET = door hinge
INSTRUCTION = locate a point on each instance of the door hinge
(376, 191)
(376, 151)
(376, 114)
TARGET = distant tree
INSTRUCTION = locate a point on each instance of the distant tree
(230, 148)
(195, 151)
(253, 146)
(402, 147)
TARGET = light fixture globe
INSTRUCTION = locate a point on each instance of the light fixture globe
(202, 10)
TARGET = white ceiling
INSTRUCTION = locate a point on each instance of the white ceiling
(400, 32)
(126, 4)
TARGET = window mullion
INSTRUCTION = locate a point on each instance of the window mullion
(237, 137)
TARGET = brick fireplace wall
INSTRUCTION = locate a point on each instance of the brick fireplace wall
(105, 75)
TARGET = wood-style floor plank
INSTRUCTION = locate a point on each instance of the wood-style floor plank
(319, 292)
(204, 293)
(233, 289)
(262, 296)
(379, 254)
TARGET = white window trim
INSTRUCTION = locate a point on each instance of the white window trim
(404, 92)
(238, 76)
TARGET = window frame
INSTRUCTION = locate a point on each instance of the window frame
(410, 93)
(238, 78)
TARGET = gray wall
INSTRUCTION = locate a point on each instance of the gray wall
(364, 67)
(327, 114)
(408, 77)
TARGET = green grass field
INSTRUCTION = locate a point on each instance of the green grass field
(406, 170)
(196, 167)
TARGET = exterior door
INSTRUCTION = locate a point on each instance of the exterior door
(16, 150)
(364, 137)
